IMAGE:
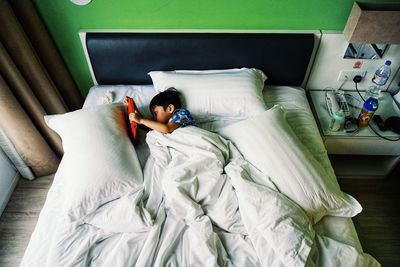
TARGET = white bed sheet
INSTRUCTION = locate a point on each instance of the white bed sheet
(185, 226)
(299, 117)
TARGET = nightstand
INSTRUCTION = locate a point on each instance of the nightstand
(361, 153)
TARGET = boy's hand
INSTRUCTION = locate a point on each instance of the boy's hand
(126, 100)
(136, 117)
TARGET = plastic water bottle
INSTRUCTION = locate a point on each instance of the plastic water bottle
(373, 91)
(367, 111)
(382, 74)
(380, 78)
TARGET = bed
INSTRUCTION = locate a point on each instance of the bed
(251, 185)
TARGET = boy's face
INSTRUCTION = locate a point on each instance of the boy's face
(163, 115)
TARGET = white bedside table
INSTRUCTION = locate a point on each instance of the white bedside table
(362, 153)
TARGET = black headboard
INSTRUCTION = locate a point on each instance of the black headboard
(126, 58)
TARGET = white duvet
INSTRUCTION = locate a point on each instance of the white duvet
(201, 204)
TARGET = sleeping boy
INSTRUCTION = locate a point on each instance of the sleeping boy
(167, 112)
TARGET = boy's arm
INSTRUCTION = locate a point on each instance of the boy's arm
(168, 127)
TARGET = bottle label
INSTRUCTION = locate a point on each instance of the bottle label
(379, 80)
(365, 117)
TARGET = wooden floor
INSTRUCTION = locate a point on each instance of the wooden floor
(378, 226)
(20, 217)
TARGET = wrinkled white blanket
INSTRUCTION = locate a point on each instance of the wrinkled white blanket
(201, 204)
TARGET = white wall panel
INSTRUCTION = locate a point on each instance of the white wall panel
(329, 62)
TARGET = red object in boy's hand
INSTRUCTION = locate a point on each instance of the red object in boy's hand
(132, 109)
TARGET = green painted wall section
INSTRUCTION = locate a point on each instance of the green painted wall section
(64, 19)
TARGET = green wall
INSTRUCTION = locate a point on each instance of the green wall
(64, 19)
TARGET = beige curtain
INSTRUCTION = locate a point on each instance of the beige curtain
(34, 82)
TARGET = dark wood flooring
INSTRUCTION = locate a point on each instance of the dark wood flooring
(378, 226)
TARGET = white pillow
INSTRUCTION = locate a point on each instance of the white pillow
(99, 163)
(141, 94)
(233, 93)
(268, 142)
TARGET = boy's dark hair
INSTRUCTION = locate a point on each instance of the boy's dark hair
(163, 99)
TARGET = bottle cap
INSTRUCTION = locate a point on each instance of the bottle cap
(388, 62)
(371, 104)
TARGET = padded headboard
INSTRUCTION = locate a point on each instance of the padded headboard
(126, 58)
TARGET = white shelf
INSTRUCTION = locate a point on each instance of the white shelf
(362, 153)
(387, 108)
